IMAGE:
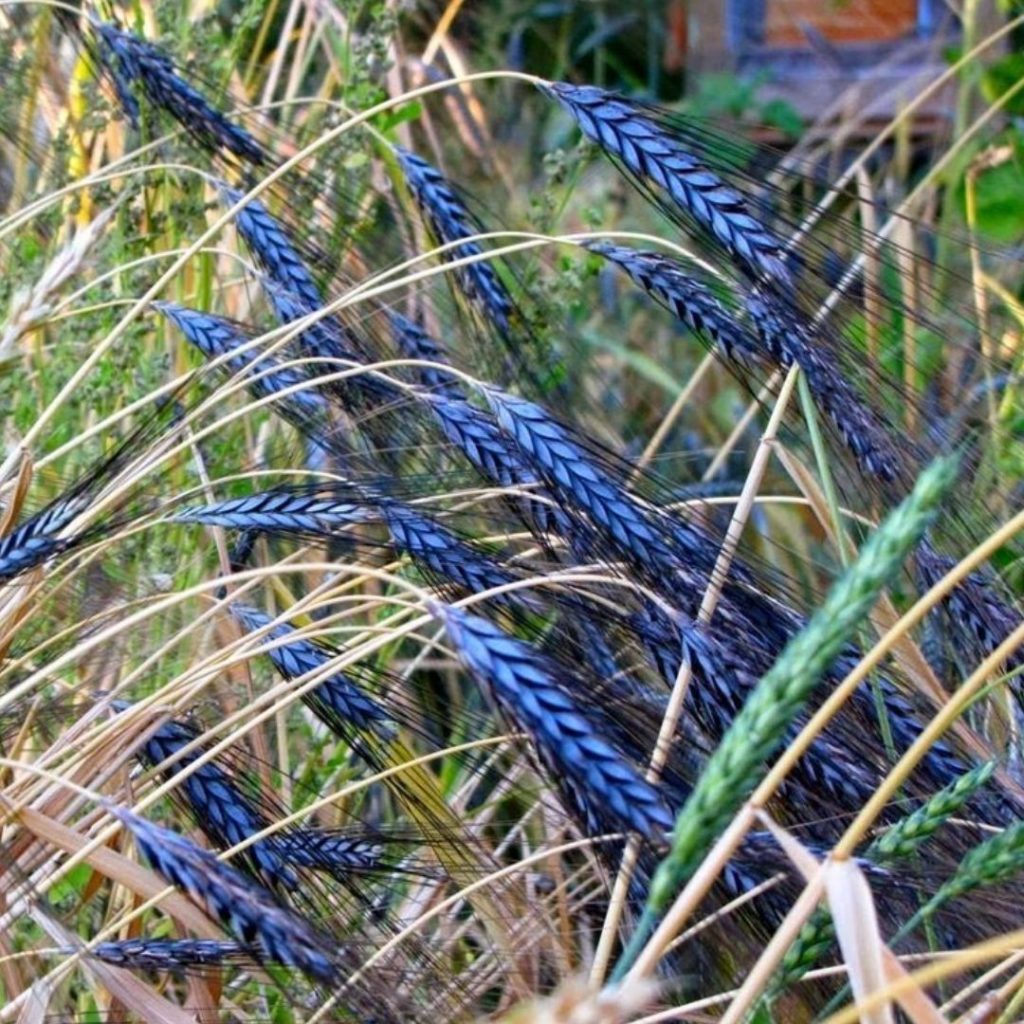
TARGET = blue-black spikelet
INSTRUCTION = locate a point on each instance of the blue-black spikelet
(450, 220)
(415, 343)
(277, 511)
(864, 434)
(979, 616)
(665, 280)
(228, 817)
(215, 336)
(342, 855)
(654, 154)
(36, 539)
(273, 249)
(338, 700)
(220, 809)
(639, 532)
(476, 434)
(601, 784)
(245, 910)
(443, 554)
(134, 61)
(174, 955)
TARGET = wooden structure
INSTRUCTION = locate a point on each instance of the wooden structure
(862, 57)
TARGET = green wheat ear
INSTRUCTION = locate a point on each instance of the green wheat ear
(897, 843)
(737, 764)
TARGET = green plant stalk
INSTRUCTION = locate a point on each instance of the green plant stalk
(832, 500)
(821, 459)
(737, 764)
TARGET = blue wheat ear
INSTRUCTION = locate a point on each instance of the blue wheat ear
(602, 786)
(172, 955)
(414, 342)
(326, 338)
(224, 814)
(450, 221)
(266, 928)
(278, 511)
(338, 701)
(445, 555)
(228, 817)
(133, 61)
(342, 855)
(36, 540)
(653, 154)
(641, 533)
(273, 248)
(334, 347)
(863, 432)
(215, 336)
(294, 294)
(666, 280)
(476, 434)
(43, 535)
(290, 287)
(779, 340)
(978, 616)
(440, 552)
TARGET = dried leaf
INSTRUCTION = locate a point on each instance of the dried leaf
(120, 869)
(856, 923)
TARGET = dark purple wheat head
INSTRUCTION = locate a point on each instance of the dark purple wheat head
(130, 60)
(274, 250)
(339, 701)
(666, 281)
(651, 152)
(246, 911)
(217, 337)
(863, 432)
(36, 539)
(450, 221)
(600, 782)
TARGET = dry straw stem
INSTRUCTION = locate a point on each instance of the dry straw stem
(674, 709)
(731, 772)
(782, 938)
(866, 958)
(669, 419)
(945, 967)
(983, 983)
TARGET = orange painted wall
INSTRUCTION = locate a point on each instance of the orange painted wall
(839, 21)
